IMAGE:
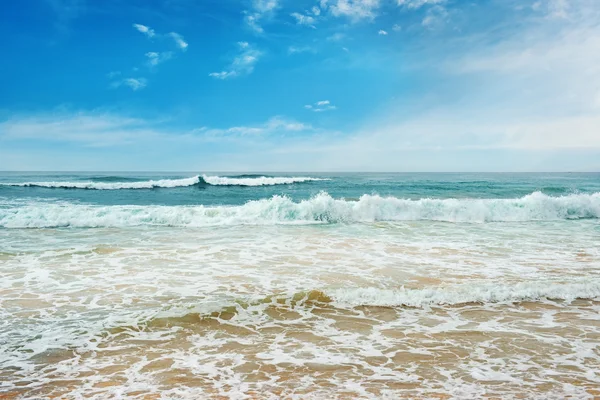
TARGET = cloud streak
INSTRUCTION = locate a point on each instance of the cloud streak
(134, 84)
(242, 64)
(179, 41)
(261, 10)
(320, 106)
(149, 32)
(302, 19)
(355, 10)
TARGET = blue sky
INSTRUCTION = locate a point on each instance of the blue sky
(282, 85)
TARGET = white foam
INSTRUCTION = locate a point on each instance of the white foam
(319, 209)
(257, 181)
(163, 183)
(481, 293)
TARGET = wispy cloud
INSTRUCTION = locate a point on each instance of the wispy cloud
(275, 125)
(242, 64)
(553, 8)
(102, 129)
(300, 49)
(355, 10)
(179, 42)
(320, 106)
(302, 19)
(155, 58)
(336, 37)
(146, 30)
(382, 32)
(436, 17)
(414, 4)
(178, 39)
(87, 128)
(132, 83)
(66, 10)
(261, 9)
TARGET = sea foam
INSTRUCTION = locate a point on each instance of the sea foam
(321, 208)
(476, 293)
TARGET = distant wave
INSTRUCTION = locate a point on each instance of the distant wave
(319, 209)
(464, 294)
(112, 184)
(119, 183)
(247, 180)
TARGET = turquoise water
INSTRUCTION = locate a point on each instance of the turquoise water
(348, 185)
(213, 285)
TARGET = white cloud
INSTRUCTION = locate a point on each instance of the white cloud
(133, 83)
(101, 129)
(298, 50)
(150, 33)
(275, 125)
(265, 6)
(414, 4)
(382, 32)
(435, 17)
(181, 44)
(320, 106)
(316, 11)
(303, 19)
(336, 37)
(242, 64)
(252, 21)
(396, 28)
(145, 30)
(155, 58)
(88, 128)
(355, 10)
(261, 9)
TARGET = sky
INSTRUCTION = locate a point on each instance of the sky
(300, 85)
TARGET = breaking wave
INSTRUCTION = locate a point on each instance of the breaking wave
(111, 184)
(319, 209)
(480, 293)
(119, 183)
(257, 180)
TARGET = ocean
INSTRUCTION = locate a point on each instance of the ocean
(300, 286)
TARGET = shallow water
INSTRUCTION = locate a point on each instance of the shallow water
(321, 299)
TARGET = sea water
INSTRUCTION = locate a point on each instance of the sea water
(220, 285)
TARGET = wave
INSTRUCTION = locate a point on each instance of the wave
(119, 183)
(111, 184)
(480, 293)
(465, 294)
(250, 180)
(319, 209)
